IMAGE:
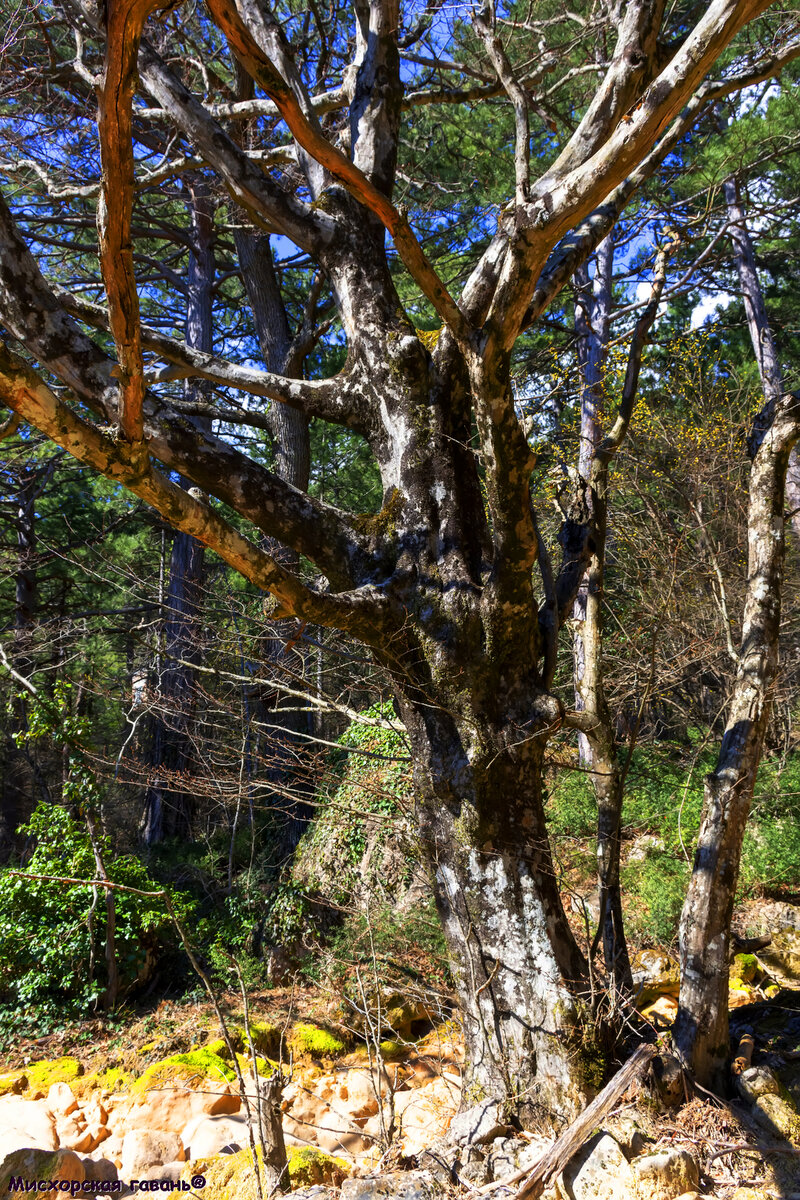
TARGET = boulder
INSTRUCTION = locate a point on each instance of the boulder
(423, 1115)
(628, 1135)
(336, 1134)
(167, 1171)
(311, 1167)
(173, 1107)
(61, 1100)
(205, 1136)
(354, 1093)
(303, 1113)
(665, 1175)
(599, 1171)
(478, 1125)
(25, 1124)
(144, 1149)
(395, 1185)
(37, 1164)
(778, 1116)
(509, 1155)
(757, 1081)
(74, 1134)
(99, 1170)
(781, 958)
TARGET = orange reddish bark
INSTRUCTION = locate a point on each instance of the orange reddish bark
(125, 21)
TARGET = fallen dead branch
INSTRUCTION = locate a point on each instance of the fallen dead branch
(562, 1150)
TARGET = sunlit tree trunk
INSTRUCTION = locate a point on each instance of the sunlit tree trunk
(701, 1029)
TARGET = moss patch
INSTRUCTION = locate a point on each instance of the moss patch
(319, 1043)
(393, 1050)
(112, 1079)
(746, 967)
(309, 1166)
(41, 1075)
(227, 1176)
(194, 1066)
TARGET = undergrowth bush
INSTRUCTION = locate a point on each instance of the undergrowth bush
(663, 801)
(52, 964)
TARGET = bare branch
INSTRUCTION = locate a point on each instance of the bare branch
(24, 392)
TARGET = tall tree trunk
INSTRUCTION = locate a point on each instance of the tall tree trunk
(169, 802)
(16, 784)
(598, 745)
(764, 348)
(520, 975)
(701, 1029)
(289, 431)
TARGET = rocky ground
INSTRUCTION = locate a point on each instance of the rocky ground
(160, 1102)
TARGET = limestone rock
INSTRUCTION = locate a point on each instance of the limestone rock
(628, 1135)
(206, 1136)
(143, 1149)
(599, 1171)
(395, 1185)
(174, 1107)
(74, 1134)
(25, 1124)
(423, 1115)
(30, 1163)
(665, 1175)
(99, 1170)
(778, 1116)
(61, 1099)
(757, 1081)
(781, 958)
(354, 1093)
(171, 1171)
(336, 1133)
(509, 1155)
(478, 1125)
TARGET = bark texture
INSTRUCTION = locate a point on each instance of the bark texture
(700, 1033)
(701, 1028)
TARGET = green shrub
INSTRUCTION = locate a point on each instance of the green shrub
(653, 892)
(47, 940)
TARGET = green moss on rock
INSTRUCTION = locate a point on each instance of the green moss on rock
(194, 1066)
(319, 1043)
(41, 1075)
(309, 1166)
(393, 1050)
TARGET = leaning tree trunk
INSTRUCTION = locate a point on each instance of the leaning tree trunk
(170, 798)
(764, 348)
(701, 1028)
(592, 313)
(598, 741)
